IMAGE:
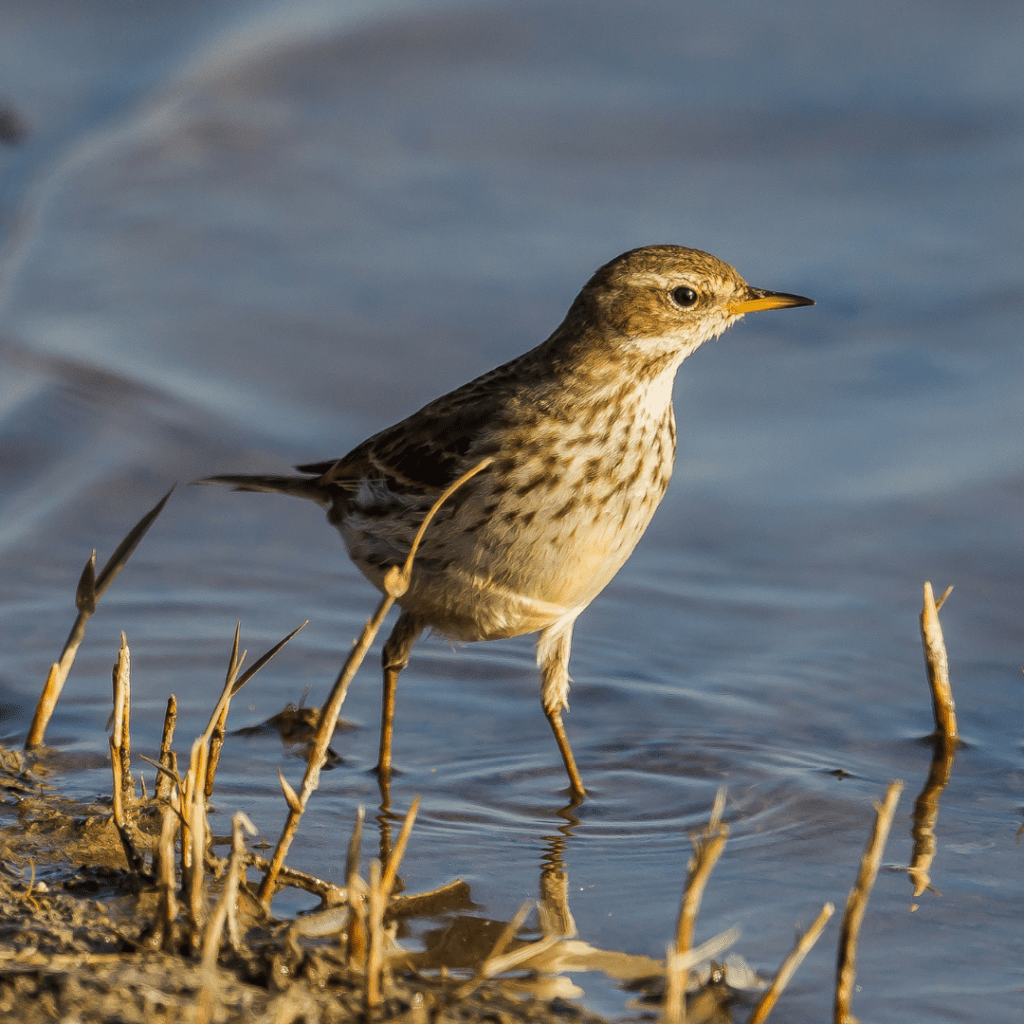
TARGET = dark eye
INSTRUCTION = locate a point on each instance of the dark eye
(684, 297)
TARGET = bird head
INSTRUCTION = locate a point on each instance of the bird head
(662, 302)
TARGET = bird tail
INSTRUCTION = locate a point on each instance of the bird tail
(299, 486)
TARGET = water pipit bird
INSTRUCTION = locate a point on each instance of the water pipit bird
(581, 434)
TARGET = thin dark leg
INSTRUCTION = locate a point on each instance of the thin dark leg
(393, 659)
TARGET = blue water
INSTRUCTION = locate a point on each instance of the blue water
(242, 235)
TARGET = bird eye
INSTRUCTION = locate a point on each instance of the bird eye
(684, 297)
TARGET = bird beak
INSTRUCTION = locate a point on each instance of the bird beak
(758, 299)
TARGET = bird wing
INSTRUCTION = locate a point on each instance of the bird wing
(422, 453)
(427, 451)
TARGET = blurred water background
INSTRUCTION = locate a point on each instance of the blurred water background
(239, 235)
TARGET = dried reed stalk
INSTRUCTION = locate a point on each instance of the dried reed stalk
(90, 589)
(224, 913)
(391, 868)
(396, 582)
(376, 901)
(856, 904)
(162, 786)
(121, 733)
(708, 844)
(330, 894)
(163, 868)
(487, 968)
(194, 789)
(368, 905)
(946, 740)
(213, 736)
(354, 844)
(357, 930)
(220, 713)
(673, 1008)
(194, 813)
(216, 743)
(536, 955)
(790, 964)
(358, 941)
(943, 707)
(678, 967)
(120, 754)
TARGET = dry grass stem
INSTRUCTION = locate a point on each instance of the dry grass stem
(790, 964)
(264, 658)
(215, 727)
(163, 868)
(396, 583)
(486, 969)
(926, 808)
(328, 892)
(673, 1009)
(224, 912)
(356, 890)
(216, 743)
(90, 589)
(677, 970)
(507, 934)
(856, 904)
(395, 860)
(943, 708)
(532, 954)
(375, 902)
(354, 846)
(708, 844)
(357, 932)
(182, 805)
(121, 734)
(195, 814)
(290, 796)
(162, 787)
(213, 736)
(168, 772)
(120, 747)
(318, 752)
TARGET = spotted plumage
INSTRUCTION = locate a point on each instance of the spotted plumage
(582, 439)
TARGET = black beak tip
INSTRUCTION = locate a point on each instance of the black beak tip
(798, 300)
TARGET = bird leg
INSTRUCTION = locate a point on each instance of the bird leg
(394, 658)
(553, 658)
(575, 782)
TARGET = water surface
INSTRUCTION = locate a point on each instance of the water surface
(241, 235)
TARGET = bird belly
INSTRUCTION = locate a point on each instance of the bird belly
(518, 553)
(502, 581)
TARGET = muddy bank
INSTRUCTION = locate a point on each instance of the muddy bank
(79, 939)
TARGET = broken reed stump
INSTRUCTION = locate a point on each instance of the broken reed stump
(937, 663)
(945, 738)
(857, 902)
(162, 787)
